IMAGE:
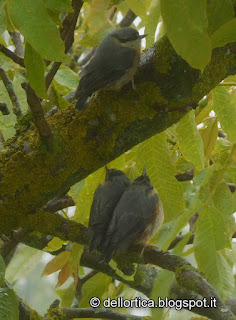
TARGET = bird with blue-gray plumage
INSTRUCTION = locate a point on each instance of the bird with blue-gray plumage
(113, 65)
(136, 218)
(105, 199)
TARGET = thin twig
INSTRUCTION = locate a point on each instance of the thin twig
(37, 111)
(128, 19)
(15, 36)
(14, 57)
(67, 35)
(11, 92)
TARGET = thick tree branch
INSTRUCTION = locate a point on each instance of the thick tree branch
(18, 44)
(167, 87)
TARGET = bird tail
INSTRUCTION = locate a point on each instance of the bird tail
(81, 103)
(107, 251)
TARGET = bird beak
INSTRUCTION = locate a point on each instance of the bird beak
(144, 171)
(142, 36)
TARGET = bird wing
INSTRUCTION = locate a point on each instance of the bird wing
(109, 63)
(131, 216)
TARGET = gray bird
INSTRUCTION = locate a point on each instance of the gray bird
(113, 65)
(136, 218)
(105, 200)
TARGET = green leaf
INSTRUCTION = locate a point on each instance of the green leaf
(218, 13)
(2, 270)
(94, 287)
(199, 181)
(226, 111)
(58, 5)
(3, 20)
(140, 7)
(31, 18)
(161, 290)
(190, 141)
(171, 229)
(66, 80)
(154, 153)
(222, 199)
(22, 263)
(209, 136)
(211, 236)
(8, 305)
(151, 22)
(225, 34)
(35, 68)
(66, 295)
(186, 26)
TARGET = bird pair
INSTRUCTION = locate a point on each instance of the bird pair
(123, 214)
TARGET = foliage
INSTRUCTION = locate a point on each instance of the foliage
(204, 140)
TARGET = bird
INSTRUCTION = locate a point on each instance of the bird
(104, 202)
(113, 65)
(136, 218)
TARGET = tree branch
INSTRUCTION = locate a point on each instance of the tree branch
(37, 111)
(89, 139)
(98, 313)
(11, 92)
(67, 35)
(18, 44)
(14, 57)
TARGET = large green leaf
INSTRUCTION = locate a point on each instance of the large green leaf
(226, 111)
(8, 305)
(58, 5)
(209, 136)
(225, 34)
(218, 13)
(31, 18)
(154, 153)
(186, 26)
(190, 141)
(222, 199)
(35, 68)
(211, 237)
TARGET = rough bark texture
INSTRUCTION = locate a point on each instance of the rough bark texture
(166, 88)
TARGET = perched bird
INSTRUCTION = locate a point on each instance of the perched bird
(105, 200)
(113, 65)
(136, 218)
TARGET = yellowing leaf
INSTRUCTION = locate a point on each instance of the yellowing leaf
(186, 26)
(54, 244)
(226, 111)
(211, 236)
(190, 141)
(154, 153)
(63, 275)
(57, 263)
(209, 136)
